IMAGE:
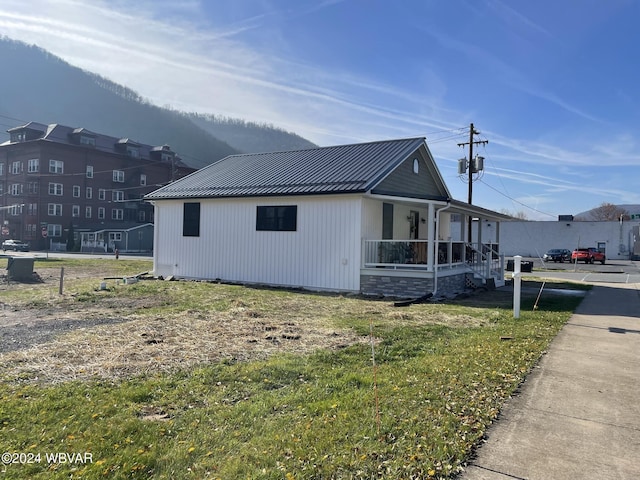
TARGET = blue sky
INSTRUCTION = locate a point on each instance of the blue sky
(552, 85)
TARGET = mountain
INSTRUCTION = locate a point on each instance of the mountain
(249, 137)
(38, 86)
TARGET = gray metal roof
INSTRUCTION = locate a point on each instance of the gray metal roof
(338, 169)
(62, 134)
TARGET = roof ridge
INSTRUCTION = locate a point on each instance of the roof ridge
(372, 142)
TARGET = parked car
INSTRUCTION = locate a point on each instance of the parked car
(588, 255)
(557, 255)
(15, 245)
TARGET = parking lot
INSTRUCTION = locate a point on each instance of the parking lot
(613, 271)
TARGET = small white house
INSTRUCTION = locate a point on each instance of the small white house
(374, 218)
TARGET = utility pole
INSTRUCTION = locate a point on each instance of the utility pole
(472, 167)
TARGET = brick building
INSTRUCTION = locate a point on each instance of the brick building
(58, 182)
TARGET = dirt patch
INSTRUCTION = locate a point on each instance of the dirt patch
(60, 346)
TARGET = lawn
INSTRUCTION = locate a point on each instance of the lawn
(176, 380)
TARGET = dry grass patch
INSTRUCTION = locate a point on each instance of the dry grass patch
(139, 345)
(122, 332)
(156, 327)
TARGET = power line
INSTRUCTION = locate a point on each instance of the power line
(514, 200)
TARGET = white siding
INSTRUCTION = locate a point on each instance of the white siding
(323, 253)
(371, 219)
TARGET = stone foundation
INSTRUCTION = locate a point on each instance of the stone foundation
(410, 287)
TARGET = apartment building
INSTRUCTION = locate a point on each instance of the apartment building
(65, 185)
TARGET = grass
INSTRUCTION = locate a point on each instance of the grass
(442, 373)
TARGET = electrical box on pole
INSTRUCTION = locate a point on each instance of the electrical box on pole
(478, 164)
(462, 166)
(474, 165)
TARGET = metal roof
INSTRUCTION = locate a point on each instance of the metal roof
(63, 134)
(338, 169)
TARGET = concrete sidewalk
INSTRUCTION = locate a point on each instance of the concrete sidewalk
(577, 415)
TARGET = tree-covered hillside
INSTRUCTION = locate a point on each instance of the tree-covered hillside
(40, 87)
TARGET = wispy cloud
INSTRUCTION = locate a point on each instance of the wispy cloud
(503, 71)
(514, 20)
(179, 53)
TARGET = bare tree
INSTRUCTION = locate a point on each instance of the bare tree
(606, 212)
(520, 215)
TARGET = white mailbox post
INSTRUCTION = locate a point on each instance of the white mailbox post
(516, 275)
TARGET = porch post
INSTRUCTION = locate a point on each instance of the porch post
(468, 227)
(431, 236)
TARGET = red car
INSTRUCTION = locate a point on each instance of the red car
(588, 255)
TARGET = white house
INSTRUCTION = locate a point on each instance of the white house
(374, 218)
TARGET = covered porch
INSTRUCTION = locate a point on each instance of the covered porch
(425, 247)
(135, 239)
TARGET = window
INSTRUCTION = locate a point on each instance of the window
(141, 215)
(33, 166)
(277, 218)
(76, 191)
(32, 208)
(143, 179)
(56, 166)
(117, 196)
(54, 230)
(32, 187)
(89, 171)
(84, 140)
(18, 137)
(117, 214)
(101, 212)
(16, 167)
(16, 188)
(102, 194)
(115, 237)
(15, 210)
(87, 212)
(89, 192)
(387, 221)
(191, 220)
(118, 176)
(75, 210)
(1, 169)
(55, 189)
(55, 209)
(416, 166)
(133, 151)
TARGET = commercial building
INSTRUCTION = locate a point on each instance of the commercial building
(69, 186)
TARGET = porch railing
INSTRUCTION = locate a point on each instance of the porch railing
(482, 259)
(410, 253)
(485, 261)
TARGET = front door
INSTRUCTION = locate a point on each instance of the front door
(414, 221)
